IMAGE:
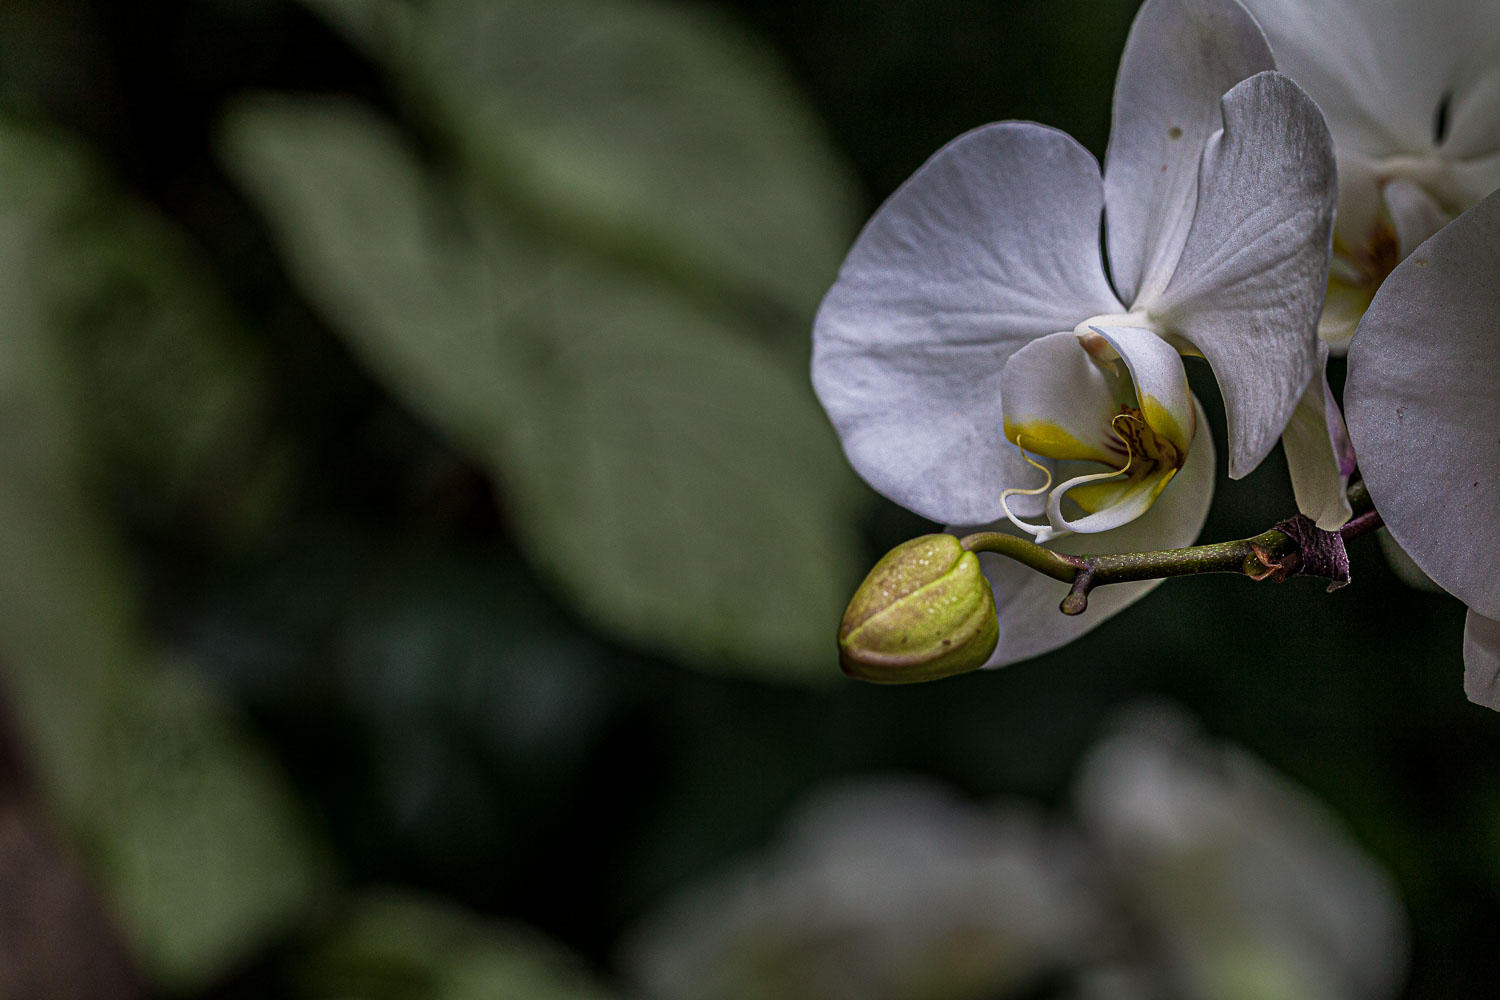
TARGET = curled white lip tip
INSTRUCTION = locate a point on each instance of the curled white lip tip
(1061, 525)
(1057, 525)
(1040, 532)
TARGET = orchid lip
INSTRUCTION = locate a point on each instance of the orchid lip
(1113, 399)
(1134, 440)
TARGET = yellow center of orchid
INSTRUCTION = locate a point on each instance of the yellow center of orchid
(1144, 462)
(1143, 454)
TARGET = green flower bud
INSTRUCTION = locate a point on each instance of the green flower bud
(925, 611)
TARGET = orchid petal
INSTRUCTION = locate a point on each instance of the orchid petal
(1468, 181)
(1318, 453)
(1027, 602)
(1474, 111)
(1059, 402)
(1380, 68)
(993, 243)
(1182, 55)
(1360, 224)
(1161, 384)
(1361, 210)
(1422, 407)
(1415, 214)
(1380, 220)
(1482, 660)
(1249, 287)
(1343, 307)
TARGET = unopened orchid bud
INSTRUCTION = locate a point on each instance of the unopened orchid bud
(924, 612)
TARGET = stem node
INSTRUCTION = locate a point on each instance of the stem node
(1291, 548)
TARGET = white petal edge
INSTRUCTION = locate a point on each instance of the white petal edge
(1249, 288)
(1318, 453)
(1027, 602)
(992, 243)
(1180, 59)
(1423, 408)
(1482, 660)
(1405, 568)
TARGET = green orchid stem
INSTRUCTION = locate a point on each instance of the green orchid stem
(1271, 554)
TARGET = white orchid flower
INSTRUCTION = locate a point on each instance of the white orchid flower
(882, 888)
(981, 365)
(1194, 871)
(1248, 886)
(1411, 92)
(1424, 415)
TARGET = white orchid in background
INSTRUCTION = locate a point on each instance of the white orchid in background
(974, 344)
(1424, 415)
(1193, 873)
(1411, 92)
(1246, 885)
(883, 890)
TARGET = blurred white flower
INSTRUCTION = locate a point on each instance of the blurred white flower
(882, 891)
(972, 344)
(1197, 875)
(1246, 885)
(1424, 414)
(1411, 92)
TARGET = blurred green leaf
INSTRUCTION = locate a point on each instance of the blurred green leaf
(190, 832)
(65, 629)
(406, 948)
(176, 388)
(683, 489)
(659, 131)
(195, 838)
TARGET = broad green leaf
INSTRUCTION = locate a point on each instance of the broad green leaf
(188, 830)
(682, 488)
(401, 947)
(658, 130)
